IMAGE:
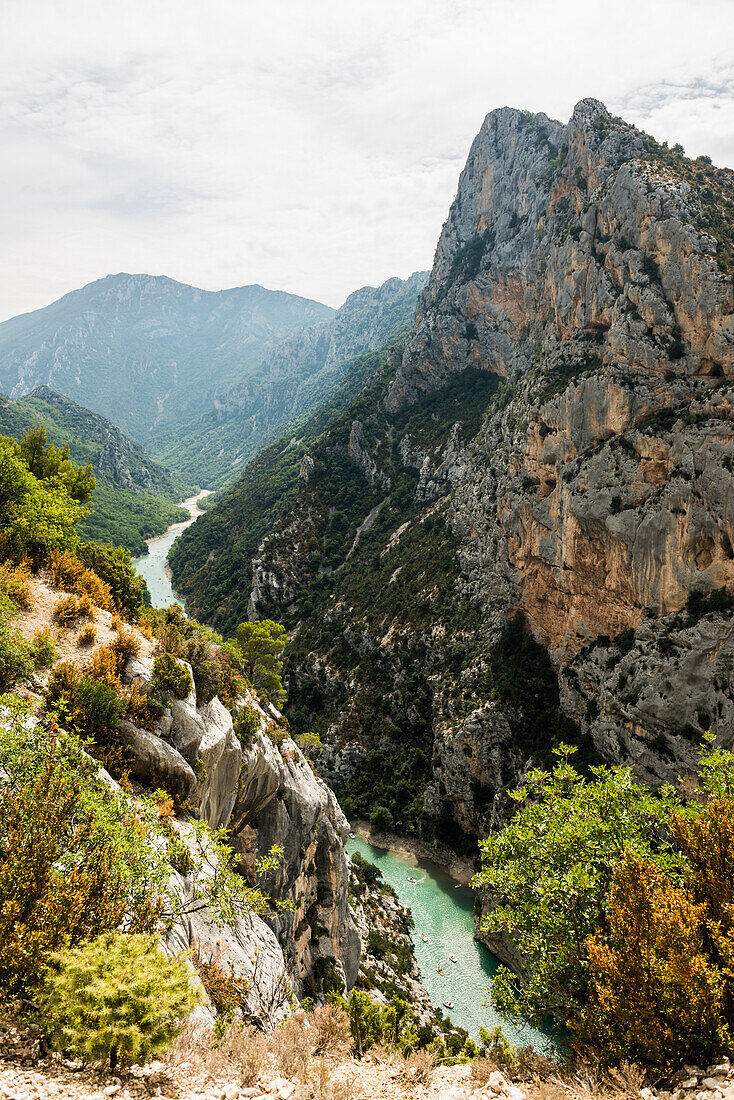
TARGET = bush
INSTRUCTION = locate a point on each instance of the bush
(72, 575)
(170, 677)
(381, 820)
(226, 993)
(103, 666)
(74, 860)
(14, 582)
(246, 725)
(16, 659)
(124, 646)
(87, 635)
(118, 998)
(95, 708)
(68, 611)
(42, 648)
(113, 565)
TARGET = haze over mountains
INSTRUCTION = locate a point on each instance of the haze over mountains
(203, 379)
(145, 350)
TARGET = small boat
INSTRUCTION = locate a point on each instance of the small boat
(424, 938)
(453, 958)
(458, 886)
(351, 836)
(439, 970)
(411, 879)
(448, 1004)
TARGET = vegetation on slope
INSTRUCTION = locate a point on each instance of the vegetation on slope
(124, 515)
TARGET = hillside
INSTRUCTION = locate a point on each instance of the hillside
(134, 498)
(144, 350)
(520, 532)
(294, 379)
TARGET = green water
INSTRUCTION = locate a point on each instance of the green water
(152, 566)
(443, 914)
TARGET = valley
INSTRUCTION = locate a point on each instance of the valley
(464, 572)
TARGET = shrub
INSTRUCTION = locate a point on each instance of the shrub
(381, 820)
(62, 683)
(69, 573)
(95, 707)
(67, 611)
(42, 648)
(205, 667)
(118, 998)
(246, 725)
(170, 677)
(87, 635)
(14, 582)
(103, 666)
(330, 1034)
(114, 566)
(226, 993)
(142, 709)
(73, 859)
(260, 647)
(548, 872)
(124, 646)
(16, 660)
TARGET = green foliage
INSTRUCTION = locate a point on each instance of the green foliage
(74, 859)
(118, 999)
(548, 870)
(170, 677)
(17, 658)
(381, 820)
(116, 514)
(260, 647)
(36, 515)
(113, 565)
(52, 464)
(246, 725)
(370, 1023)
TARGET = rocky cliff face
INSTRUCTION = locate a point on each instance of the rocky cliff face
(264, 795)
(522, 530)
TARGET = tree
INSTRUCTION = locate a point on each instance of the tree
(260, 646)
(381, 820)
(49, 463)
(548, 871)
(117, 998)
(36, 515)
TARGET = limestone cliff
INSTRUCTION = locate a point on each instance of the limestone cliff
(521, 530)
(263, 795)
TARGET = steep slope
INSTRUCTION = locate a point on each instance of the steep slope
(144, 350)
(558, 562)
(295, 378)
(134, 498)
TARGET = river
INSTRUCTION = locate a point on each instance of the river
(442, 912)
(443, 915)
(152, 566)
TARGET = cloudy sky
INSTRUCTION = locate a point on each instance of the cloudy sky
(312, 146)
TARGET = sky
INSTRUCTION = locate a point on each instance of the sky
(312, 146)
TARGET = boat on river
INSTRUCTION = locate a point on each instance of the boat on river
(448, 1004)
(453, 958)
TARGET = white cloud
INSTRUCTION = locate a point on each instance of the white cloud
(311, 147)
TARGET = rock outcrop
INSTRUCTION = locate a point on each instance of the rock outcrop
(265, 796)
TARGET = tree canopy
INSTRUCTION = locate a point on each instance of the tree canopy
(260, 649)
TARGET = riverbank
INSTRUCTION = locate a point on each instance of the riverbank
(458, 868)
(153, 566)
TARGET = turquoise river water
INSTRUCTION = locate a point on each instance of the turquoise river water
(153, 566)
(443, 926)
(442, 912)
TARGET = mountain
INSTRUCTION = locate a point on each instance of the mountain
(144, 350)
(297, 376)
(521, 530)
(134, 498)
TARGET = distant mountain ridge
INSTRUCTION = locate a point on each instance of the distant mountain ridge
(145, 350)
(135, 498)
(293, 381)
